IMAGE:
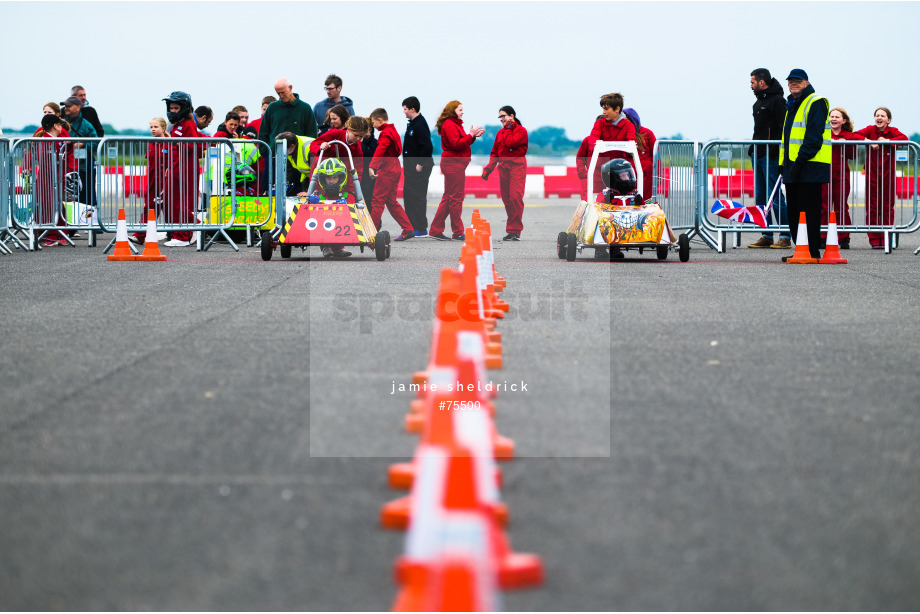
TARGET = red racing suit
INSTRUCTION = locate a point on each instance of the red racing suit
(455, 157)
(386, 165)
(880, 178)
(646, 152)
(158, 158)
(181, 180)
(837, 192)
(509, 154)
(50, 162)
(338, 151)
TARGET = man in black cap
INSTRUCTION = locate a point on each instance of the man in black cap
(805, 156)
(80, 128)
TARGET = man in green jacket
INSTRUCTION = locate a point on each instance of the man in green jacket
(288, 114)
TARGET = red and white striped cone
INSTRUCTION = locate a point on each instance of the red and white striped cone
(832, 253)
(801, 255)
(122, 251)
(151, 247)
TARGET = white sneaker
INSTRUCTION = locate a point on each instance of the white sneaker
(177, 243)
(161, 236)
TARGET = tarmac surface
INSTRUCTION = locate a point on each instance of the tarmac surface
(214, 432)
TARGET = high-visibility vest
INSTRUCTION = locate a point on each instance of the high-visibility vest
(249, 154)
(797, 133)
(300, 159)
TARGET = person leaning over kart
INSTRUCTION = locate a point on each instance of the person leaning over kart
(619, 177)
(331, 188)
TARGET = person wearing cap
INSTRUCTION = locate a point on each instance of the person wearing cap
(89, 113)
(805, 156)
(769, 114)
(82, 129)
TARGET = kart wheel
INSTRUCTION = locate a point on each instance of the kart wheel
(663, 252)
(683, 247)
(561, 241)
(571, 246)
(266, 245)
(285, 250)
(382, 245)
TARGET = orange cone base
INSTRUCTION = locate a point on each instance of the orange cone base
(493, 362)
(502, 305)
(795, 260)
(143, 258)
(396, 514)
(494, 338)
(419, 377)
(414, 578)
(520, 570)
(832, 260)
(502, 448)
(401, 476)
(114, 258)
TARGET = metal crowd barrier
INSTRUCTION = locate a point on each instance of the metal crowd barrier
(5, 190)
(191, 184)
(882, 197)
(674, 169)
(53, 189)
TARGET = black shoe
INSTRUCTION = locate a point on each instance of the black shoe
(844, 244)
(512, 237)
(785, 258)
(459, 237)
(439, 236)
(617, 254)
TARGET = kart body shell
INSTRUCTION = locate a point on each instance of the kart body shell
(624, 224)
(315, 221)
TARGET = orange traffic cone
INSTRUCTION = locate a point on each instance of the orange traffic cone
(832, 253)
(151, 247)
(122, 251)
(801, 255)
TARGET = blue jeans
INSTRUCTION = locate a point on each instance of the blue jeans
(766, 172)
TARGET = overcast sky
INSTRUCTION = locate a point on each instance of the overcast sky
(684, 66)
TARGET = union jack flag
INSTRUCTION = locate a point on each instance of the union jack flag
(737, 212)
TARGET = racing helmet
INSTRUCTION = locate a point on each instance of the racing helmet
(619, 176)
(331, 176)
(185, 106)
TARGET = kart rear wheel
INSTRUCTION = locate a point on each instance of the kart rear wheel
(561, 241)
(571, 245)
(266, 245)
(285, 250)
(683, 247)
(663, 252)
(382, 245)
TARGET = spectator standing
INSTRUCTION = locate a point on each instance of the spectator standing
(181, 180)
(837, 192)
(333, 97)
(82, 129)
(335, 118)
(229, 128)
(203, 117)
(385, 169)
(256, 123)
(89, 113)
(54, 164)
(509, 153)
(769, 114)
(455, 157)
(805, 155)
(369, 148)
(645, 143)
(158, 158)
(243, 113)
(356, 128)
(53, 108)
(417, 165)
(880, 175)
(287, 114)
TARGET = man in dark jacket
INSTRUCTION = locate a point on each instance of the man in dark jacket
(333, 97)
(287, 114)
(769, 112)
(89, 113)
(84, 150)
(805, 157)
(417, 165)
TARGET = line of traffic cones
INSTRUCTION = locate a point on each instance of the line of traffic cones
(123, 251)
(457, 552)
(802, 254)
